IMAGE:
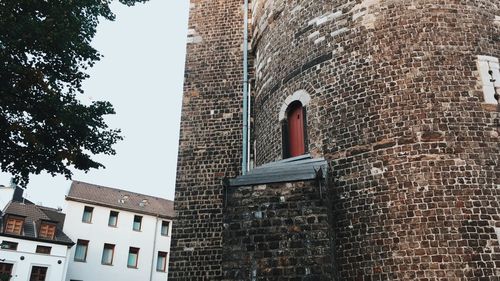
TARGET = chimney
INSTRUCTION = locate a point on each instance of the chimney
(18, 191)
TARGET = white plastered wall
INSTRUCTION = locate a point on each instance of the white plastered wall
(25, 257)
(98, 232)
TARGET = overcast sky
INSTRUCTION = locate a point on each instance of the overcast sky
(141, 74)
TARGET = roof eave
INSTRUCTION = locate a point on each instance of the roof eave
(70, 244)
(86, 201)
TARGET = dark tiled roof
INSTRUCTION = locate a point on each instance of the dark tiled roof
(34, 215)
(120, 199)
(300, 168)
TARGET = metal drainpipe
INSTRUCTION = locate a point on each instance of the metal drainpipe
(249, 166)
(154, 250)
(244, 158)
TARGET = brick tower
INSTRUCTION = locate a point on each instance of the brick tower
(375, 137)
(210, 137)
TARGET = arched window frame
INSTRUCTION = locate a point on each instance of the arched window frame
(303, 98)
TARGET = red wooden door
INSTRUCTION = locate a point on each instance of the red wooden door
(296, 130)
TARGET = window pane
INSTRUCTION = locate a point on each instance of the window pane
(107, 254)
(87, 214)
(38, 273)
(6, 268)
(7, 245)
(137, 223)
(132, 260)
(161, 263)
(113, 218)
(165, 225)
(133, 256)
(81, 250)
(43, 250)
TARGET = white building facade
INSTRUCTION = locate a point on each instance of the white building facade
(33, 246)
(26, 264)
(119, 235)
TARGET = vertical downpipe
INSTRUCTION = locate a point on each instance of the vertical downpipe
(154, 250)
(244, 158)
(249, 136)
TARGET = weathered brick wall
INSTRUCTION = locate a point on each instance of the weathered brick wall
(277, 232)
(210, 138)
(397, 109)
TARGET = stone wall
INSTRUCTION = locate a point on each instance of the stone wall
(398, 109)
(277, 231)
(210, 137)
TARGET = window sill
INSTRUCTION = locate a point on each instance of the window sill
(83, 261)
(107, 264)
(132, 267)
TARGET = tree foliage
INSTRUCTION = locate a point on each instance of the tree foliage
(44, 54)
(5, 277)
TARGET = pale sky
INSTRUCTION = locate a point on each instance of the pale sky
(141, 74)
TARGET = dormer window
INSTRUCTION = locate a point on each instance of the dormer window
(14, 225)
(294, 131)
(47, 230)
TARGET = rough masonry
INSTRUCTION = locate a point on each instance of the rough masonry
(400, 104)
